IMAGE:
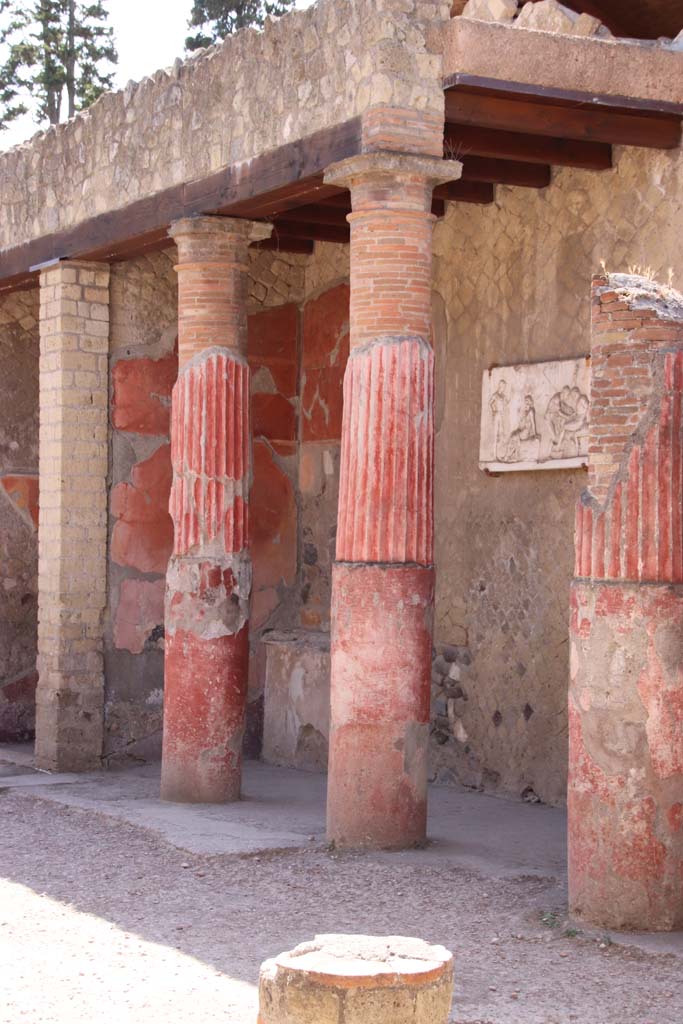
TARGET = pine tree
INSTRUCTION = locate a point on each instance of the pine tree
(215, 19)
(53, 50)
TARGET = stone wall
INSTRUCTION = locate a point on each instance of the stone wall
(513, 281)
(256, 91)
(18, 512)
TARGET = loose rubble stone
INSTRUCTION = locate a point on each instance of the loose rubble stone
(490, 10)
(551, 16)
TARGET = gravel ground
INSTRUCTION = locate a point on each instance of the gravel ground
(101, 921)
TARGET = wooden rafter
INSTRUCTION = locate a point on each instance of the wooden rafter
(589, 123)
(505, 172)
(464, 140)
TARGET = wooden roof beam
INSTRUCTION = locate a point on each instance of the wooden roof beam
(584, 123)
(505, 172)
(280, 243)
(335, 209)
(312, 232)
(462, 140)
(478, 192)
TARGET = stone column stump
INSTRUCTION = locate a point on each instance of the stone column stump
(357, 979)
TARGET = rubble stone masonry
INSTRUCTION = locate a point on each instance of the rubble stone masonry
(252, 93)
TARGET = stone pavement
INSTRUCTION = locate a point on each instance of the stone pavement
(282, 809)
(105, 899)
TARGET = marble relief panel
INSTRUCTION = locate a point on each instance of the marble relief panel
(535, 416)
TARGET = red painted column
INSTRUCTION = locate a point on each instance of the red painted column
(383, 579)
(208, 581)
(625, 798)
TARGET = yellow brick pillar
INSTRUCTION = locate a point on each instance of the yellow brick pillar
(72, 538)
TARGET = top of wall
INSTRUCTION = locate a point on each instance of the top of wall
(606, 67)
(256, 91)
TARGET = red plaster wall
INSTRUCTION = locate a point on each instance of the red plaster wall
(140, 546)
(324, 357)
(325, 351)
(273, 350)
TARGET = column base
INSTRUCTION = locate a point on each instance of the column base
(625, 796)
(205, 685)
(70, 725)
(380, 696)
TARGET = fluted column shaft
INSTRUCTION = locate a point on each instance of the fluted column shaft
(208, 582)
(383, 579)
(625, 797)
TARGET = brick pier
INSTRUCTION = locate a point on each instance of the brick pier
(625, 797)
(383, 580)
(208, 583)
(74, 342)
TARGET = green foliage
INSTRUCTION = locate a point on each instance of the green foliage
(51, 51)
(215, 19)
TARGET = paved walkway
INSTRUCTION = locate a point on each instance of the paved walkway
(283, 809)
(117, 908)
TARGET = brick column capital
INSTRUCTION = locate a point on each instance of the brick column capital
(393, 180)
(212, 282)
(192, 234)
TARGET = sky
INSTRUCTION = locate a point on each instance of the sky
(150, 34)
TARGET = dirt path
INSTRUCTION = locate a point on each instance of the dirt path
(101, 921)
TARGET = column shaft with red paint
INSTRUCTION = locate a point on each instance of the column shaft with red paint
(383, 579)
(625, 797)
(208, 582)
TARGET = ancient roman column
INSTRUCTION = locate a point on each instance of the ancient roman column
(625, 798)
(208, 581)
(383, 578)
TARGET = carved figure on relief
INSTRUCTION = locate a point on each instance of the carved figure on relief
(498, 406)
(535, 416)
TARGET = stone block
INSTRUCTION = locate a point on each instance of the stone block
(547, 16)
(297, 699)
(357, 979)
(490, 10)
(587, 25)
